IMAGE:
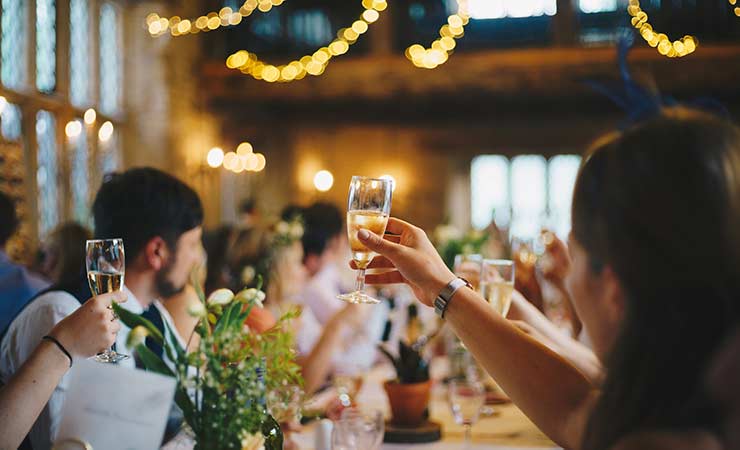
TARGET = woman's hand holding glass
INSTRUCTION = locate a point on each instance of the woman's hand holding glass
(410, 257)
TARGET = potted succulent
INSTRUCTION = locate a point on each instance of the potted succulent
(409, 393)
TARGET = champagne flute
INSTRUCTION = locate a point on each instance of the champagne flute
(497, 283)
(469, 268)
(467, 397)
(369, 206)
(105, 269)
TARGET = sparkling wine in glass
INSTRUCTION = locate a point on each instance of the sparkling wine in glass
(105, 270)
(369, 206)
(467, 397)
(497, 283)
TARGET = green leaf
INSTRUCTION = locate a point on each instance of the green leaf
(152, 362)
(132, 320)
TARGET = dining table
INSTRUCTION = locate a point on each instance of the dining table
(503, 427)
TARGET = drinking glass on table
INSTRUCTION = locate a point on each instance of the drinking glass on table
(358, 430)
(469, 267)
(369, 205)
(106, 266)
(467, 397)
(497, 283)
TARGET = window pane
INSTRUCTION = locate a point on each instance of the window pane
(597, 6)
(14, 72)
(79, 53)
(310, 27)
(80, 176)
(11, 119)
(496, 9)
(46, 41)
(110, 59)
(110, 160)
(47, 173)
(489, 179)
(562, 178)
(528, 195)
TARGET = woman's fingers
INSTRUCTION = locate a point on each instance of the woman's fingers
(393, 277)
(379, 262)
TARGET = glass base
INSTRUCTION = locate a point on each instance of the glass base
(358, 298)
(109, 357)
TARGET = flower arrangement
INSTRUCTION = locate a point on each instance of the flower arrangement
(450, 242)
(222, 385)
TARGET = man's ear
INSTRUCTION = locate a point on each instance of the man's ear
(156, 253)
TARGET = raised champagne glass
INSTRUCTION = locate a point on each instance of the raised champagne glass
(105, 269)
(497, 283)
(369, 206)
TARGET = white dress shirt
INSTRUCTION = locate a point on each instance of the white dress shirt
(25, 333)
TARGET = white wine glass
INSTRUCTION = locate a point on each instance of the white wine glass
(469, 268)
(497, 283)
(369, 206)
(467, 397)
(106, 266)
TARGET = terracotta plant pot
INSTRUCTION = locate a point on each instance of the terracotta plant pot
(408, 402)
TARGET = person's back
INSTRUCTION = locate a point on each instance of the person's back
(17, 284)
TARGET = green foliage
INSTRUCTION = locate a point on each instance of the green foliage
(222, 385)
(452, 243)
(410, 366)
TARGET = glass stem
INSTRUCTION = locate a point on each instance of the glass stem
(361, 280)
(468, 437)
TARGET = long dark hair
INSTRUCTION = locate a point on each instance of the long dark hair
(658, 204)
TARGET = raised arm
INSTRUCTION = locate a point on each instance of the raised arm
(555, 395)
(84, 333)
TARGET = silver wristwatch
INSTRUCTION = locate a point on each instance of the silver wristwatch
(444, 297)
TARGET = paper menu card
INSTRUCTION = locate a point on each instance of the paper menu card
(115, 408)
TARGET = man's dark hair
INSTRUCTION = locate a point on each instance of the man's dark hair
(8, 218)
(322, 222)
(142, 203)
(292, 212)
(248, 206)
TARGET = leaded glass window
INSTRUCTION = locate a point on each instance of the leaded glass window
(523, 194)
(110, 59)
(46, 41)
(80, 176)
(14, 71)
(498, 9)
(47, 172)
(10, 122)
(79, 53)
(597, 6)
(110, 160)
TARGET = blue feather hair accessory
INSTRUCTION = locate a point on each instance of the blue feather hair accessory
(641, 102)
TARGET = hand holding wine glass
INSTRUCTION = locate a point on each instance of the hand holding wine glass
(105, 271)
(369, 206)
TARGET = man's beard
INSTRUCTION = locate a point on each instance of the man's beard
(165, 287)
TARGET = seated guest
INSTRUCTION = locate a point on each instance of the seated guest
(17, 285)
(655, 286)
(281, 262)
(159, 219)
(82, 334)
(63, 257)
(324, 243)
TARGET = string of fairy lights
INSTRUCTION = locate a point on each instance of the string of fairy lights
(441, 49)
(436, 54)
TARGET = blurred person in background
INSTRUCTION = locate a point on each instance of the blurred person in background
(17, 284)
(64, 258)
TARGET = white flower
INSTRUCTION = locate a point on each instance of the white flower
(137, 336)
(253, 442)
(282, 228)
(251, 295)
(248, 274)
(220, 297)
(196, 309)
(296, 230)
